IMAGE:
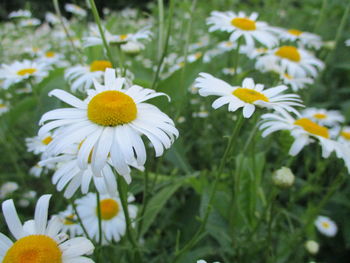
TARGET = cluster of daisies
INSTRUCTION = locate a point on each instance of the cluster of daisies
(292, 61)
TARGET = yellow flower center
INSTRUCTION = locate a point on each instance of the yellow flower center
(34, 249)
(50, 54)
(228, 44)
(320, 116)
(112, 108)
(26, 71)
(109, 208)
(100, 65)
(295, 32)
(47, 140)
(288, 52)
(69, 220)
(326, 224)
(243, 23)
(287, 76)
(198, 55)
(2, 105)
(312, 127)
(123, 37)
(249, 95)
(345, 134)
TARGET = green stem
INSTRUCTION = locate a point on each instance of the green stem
(235, 65)
(65, 29)
(98, 22)
(123, 192)
(199, 234)
(79, 219)
(321, 15)
(166, 44)
(160, 28)
(144, 203)
(98, 203)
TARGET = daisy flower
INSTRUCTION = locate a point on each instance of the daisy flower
(7, 188)
(74, 9)
(52, 18)
(22, 70)
(70, 176)
(304, 39)
(304, 131)
(296, 83)
(323, 116)
(51, 58)
(40, 238)
(242, 25)
(20, 14)
(347, 42)
(231, 71)
(109, 123)
(247, 97)
(112, 215)
(30, 22)
(81, 77)
(70, 223)
(294, 61)
(326, 226)
(344, 135)
(3, 107)
(95, 39)
(226, 46)
(36, 170)
(38, 144)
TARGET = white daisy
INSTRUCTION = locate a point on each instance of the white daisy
(52, 18)
(109, 123)
(38, 144)
(30, 22)
(231, 71)
(39, 238)
(51, 58)
(95, 39)
(323, 116)
(112, 215)
(242, 25)
(347, 42)
(247, 97)
(81, 77)
(304, 39)
(226, 46)
(36, 170)
(344, 135)
(21, 70)
(7, 188)
(74, 9)
(326, 226)
(20, 14)
(203, 42)
(294, 61)
(296, 83)
(304, 131)
(70, 222)
(3, 107)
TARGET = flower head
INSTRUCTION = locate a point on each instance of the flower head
(326, 226)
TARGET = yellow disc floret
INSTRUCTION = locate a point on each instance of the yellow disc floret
(49, 54)
(345, 134)
(289, 52)
(326, 224)
(243, 23)
(100, 65)
(320, 116)
(112, 108)
(124, 37)
(312, 127)
(26, 71)
(109, 208)
(47, 140)
(69, 220)
(34, 249)
(295, 32)
(249, 95)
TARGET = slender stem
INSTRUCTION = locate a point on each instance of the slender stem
(160, 28)
(98, 203)
(199, 234)
(144, 203)
(235, 65)
(65, 29)
(123, 191)
(79, 219)
(321, 15)
(166, 44)
(98, 22)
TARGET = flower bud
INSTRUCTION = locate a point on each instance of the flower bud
(283, 177)
(312, 247)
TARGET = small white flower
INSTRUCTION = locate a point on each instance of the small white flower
(20, 14)
(324, 117)
(283, 177)
(296, 83)
(3, 107)
(112, 215)
(248, 96)
(40, 238)
(304, 39)
(326, 226)
(7, 188)
(38, 144)
(30, 22)
(242, 25)
(347, 42)
(74, 9)
(70, 222)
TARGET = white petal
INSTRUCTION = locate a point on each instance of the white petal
(12, 220)
(41, 213)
